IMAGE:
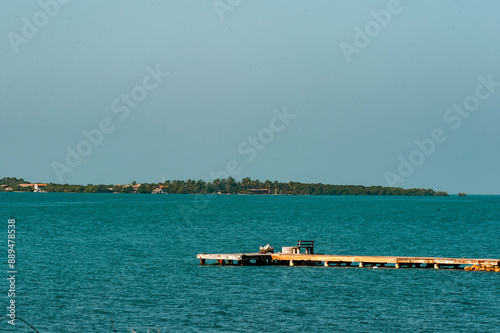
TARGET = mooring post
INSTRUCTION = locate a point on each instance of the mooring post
(291, 263)
(327, 264)
(436, 266)
(361, 264)
(202, 261)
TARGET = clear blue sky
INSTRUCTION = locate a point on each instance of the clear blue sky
(357, 113)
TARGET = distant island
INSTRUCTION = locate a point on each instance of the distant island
(217, 186)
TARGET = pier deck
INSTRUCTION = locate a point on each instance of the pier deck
(308, 259)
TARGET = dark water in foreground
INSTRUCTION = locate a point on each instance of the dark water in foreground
(83, 259)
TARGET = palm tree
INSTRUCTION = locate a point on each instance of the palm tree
(190, 186)
(230, 185)
(200, 185)
(216, 183)
(276, 186)
(246, 183)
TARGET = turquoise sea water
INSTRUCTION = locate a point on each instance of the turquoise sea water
(87, 262)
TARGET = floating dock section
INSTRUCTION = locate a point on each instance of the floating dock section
(292, 256)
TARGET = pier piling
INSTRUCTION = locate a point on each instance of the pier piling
(326, 260)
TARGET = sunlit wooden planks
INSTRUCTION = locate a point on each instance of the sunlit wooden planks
(343, 260)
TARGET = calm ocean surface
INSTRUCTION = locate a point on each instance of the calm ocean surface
(84, 259)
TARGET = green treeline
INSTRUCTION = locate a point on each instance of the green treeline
(225, 186)
(12, 183)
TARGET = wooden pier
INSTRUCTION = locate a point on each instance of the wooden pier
(294, 257)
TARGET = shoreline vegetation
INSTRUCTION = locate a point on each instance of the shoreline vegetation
(217, 186)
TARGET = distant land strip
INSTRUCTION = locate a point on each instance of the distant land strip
(217, 186)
